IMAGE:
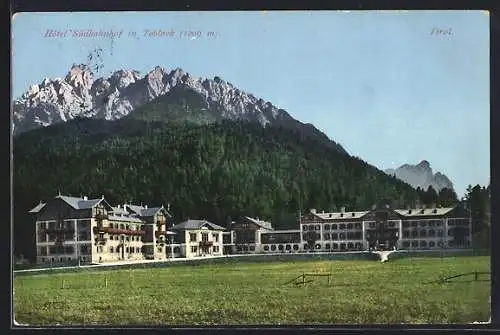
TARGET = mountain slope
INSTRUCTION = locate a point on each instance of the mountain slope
(421, 175)
(174, 96)
(212, 171)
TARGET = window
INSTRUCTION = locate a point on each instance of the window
(304, 227)
(440, 233)
(423, 244)
(317, 227)
(326, 236)
(341, 236)
(327, 227)
(358, 246)
(406, 244)
(451, 222)
(334, 227)
(357, 226)
(306, 247)
(414, 224)
(318, 246)
(266, 248)
(414, 244)
(335, 246)
(335, 236)
(341, 226)
(349, 226)
(327, 246)
(204, 237)
(215, 237)
(432, 233)
(372, 225)
(439, 223)
(273, 247)
(177, 250)
(288, 247)
(432, 244)
(192, 237)
(350, 245)
(159, 249)
(431, 223)
(423, 223)
(342, 246)
(450, 232)
(126, 250)
(280, 247)
(295, 247)
(406, 224)
(111, 249)
(194, 248)
(406, 233)
(423, 233)
(414, 233)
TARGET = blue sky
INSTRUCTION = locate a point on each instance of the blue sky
(378, 82)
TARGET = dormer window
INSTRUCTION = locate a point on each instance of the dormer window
(422, 211)
(353, 214)
(434, 210)
(409, 211)
(341, 215)
(330, 215)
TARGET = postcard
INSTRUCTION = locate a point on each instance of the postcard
(265, 168)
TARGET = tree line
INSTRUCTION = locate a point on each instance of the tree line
(217, 171)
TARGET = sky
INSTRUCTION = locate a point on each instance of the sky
(392, 87)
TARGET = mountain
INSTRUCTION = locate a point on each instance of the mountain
(174, 96)
(214, 171)
(421, 175)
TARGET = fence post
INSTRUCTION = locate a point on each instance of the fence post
(105, 281)
(62, 284)
(329, 278)
(476, 275)
(303, 279)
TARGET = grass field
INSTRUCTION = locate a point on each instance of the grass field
(254, 293)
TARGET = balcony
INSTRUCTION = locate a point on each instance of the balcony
(100, 240)
(206, 243)
(125, 231)
(101, 216)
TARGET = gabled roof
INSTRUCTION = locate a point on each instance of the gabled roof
(340, 215)
(260, 223)
(119, 210)
(37, 208)
(145, 211)
(424, 212)
(81, 203)
(196, 224)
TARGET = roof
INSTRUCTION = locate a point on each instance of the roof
(145, 211)
(81, 203)
(196, 224)
(119, 210)
(286, 231)
(37, 208)
(424, 212)
(263, 224)
(340, 215)
(124, 218)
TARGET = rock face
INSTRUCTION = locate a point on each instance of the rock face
(421, 175)
(79, 94)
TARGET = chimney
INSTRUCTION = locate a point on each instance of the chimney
(119, 206)
(374, 207)
(146, 206)
(434, 206)
(124, 207)
(342, 209)
(85, 197)
(313, 211)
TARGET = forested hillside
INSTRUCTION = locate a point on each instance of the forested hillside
(216, 171)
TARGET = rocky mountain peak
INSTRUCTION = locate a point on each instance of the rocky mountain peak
(421, 175)
(79, 94)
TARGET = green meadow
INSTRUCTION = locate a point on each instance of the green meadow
(359, 291)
